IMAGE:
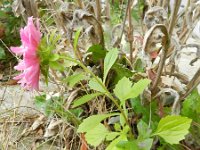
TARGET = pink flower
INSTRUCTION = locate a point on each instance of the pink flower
(30, 65)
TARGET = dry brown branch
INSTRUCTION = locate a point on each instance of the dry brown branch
(165, 46)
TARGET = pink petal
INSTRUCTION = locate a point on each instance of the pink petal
(30, 65)
(21, 66)
(17, 50)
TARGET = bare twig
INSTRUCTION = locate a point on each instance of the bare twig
(57, 17)
(174, 16)
(98, 10)
(194, 82)
(130, 33)
(80, 4)
(165, 44)
(118, 41)
(107, 10)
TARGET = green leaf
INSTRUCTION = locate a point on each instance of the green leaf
(144, 130)
(127, 145)
(109, 60)
(40, 101)
(52, 36)
(139, 87)
(112, 135)
(56, 66)
(173, 128)
(93, 84)
(75, 78)
(77, 34)
(96, 135)
(54, 57)
(138, 66)
(135, 15)
(113, 144)
(120, 72)
(191, 106)
(124, 89)
(85, 99)
(145, 144)
(92, 121)
(97, 52)
(122, 120)
(2, 54)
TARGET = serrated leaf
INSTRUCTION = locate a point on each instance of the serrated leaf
(92, 121)
(173, 128)
(93, 84)
(96, 135)
(124, 89)
(109, 60)
(84, 99)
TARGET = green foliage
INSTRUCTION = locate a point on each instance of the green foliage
(75, 44)
(96, 135)
(120, 72)
(190, 109)
(125, 90)
(145, 111)
(77, 34)
(143, 130)
(173, 128)
(138, 10)
(9, 26)
(122, 136)
(93, 84)
(97, 52)
(84, 99)
(47, 57)
(93, 121)
(138, 66)
(2, 54)
(75, 79)
(109, 60)
(116, 13)
(56, 65)
(191, 106)
(112, 135)
(127, 145)
(51, 105)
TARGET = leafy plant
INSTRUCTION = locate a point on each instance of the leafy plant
(173, 128)
(112, 75)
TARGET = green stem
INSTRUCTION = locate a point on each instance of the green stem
(108, 94)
